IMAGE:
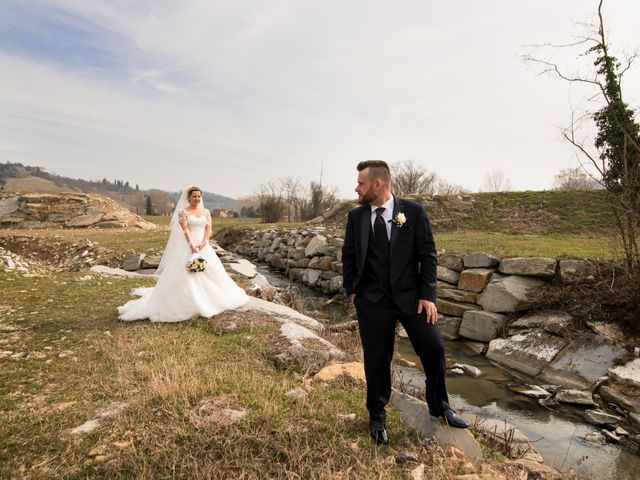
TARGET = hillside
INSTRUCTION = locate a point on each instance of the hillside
(24, 178)
(553, 211)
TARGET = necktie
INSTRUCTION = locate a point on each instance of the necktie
(380, 229)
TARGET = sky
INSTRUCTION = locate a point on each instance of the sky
(229, 95)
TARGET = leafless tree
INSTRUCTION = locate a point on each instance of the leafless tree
(271, 202)
(292, 191)
(411, 178)
(319, 198)
(575, 179)
(496, 181)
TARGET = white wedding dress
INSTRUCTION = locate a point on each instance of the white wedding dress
(180, 294)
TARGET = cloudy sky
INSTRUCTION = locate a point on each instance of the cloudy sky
(231, 94)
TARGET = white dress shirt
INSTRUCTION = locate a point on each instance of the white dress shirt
(387, 215)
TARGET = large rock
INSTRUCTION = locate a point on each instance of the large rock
(452, 261)
(601, 418)
(281, 313)
(455, 309)
(311, 277)
(575, 397)
(66, 210)
(449, 326)
(447, 292)
(480, 260)
(508, 294)
(447, 275)
(583, 362)
(317, 246)
(244, 267)
(621, 395)
(132, 261)
(528, 353)
(415, 413)
(529, 266)
(475, 279)
(481, 325)
(627, 374)
(557, 323)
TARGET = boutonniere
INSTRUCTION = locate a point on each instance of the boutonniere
(400, 220)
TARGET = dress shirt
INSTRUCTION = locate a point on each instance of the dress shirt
(387, 215)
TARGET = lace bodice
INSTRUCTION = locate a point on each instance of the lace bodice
(197, 224)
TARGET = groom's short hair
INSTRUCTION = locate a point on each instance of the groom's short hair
(378, 169)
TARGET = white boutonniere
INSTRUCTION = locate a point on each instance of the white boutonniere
(400, 220)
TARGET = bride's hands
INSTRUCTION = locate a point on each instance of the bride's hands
(202, 245)
(194, 248)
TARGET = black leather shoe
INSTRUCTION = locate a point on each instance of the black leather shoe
(454, 420)
(379, 433)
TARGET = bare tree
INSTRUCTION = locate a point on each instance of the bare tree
(615, 151)
(411, 178)
(271, 202)
(442, 187)
(575, 179)
(320, 198)
(292, 190)
(496, 181)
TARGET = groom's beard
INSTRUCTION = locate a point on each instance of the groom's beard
(367, 198)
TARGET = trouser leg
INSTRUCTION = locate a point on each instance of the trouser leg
(377, 325)
(429, 346)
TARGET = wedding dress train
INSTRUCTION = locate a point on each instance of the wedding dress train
(180, 294)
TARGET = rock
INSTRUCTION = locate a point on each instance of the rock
(280, 312)
(529, 266)
(600, 418)
(481, 325)
(415, 413)
(621, 432)
(449, 326)
(447, 292)
(296, 394)
(447, 275)
(455, 309)
(554, 322)
(84, 220)
(452, 261)
(311, 277)
(476, 348)
(306, 348)
(627, 374)
(532, 391)
(418, 472)
(347, 418)
(575, 397)
(508, 294)
(595, 437)
(468, 369)
(406, 458)
(572, 271)
(244, 268)
(480, 260)
(502, 432)
(118, 272)
(316, 246)
(528, 353)
(352, 370)
(475, 279)
(622, 395)
(456, 371)
(151, 261)
(587, 358)
(303, 263)
(132, 261)
(611, 437)
(278, 262)
(634, 420)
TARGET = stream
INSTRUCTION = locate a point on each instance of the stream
(556, 435)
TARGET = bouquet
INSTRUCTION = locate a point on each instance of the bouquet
(196, 263)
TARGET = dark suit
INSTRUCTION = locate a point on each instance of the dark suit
(388, 286)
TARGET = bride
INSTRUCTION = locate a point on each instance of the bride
(180, 294)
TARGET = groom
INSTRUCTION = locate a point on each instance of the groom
(389, 260)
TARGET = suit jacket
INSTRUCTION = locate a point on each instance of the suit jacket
(413, 258)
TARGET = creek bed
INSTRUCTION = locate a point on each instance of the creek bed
(556, 435)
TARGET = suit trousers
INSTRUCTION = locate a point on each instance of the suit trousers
(377, 325)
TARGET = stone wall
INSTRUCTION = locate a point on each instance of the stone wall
(481, 298)
(65, 210)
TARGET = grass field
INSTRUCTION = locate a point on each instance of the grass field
(65, 358)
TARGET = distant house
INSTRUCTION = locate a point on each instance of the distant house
(219, 213)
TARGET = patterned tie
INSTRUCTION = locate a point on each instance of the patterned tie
(380, 229)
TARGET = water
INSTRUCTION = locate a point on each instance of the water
(555, 435)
